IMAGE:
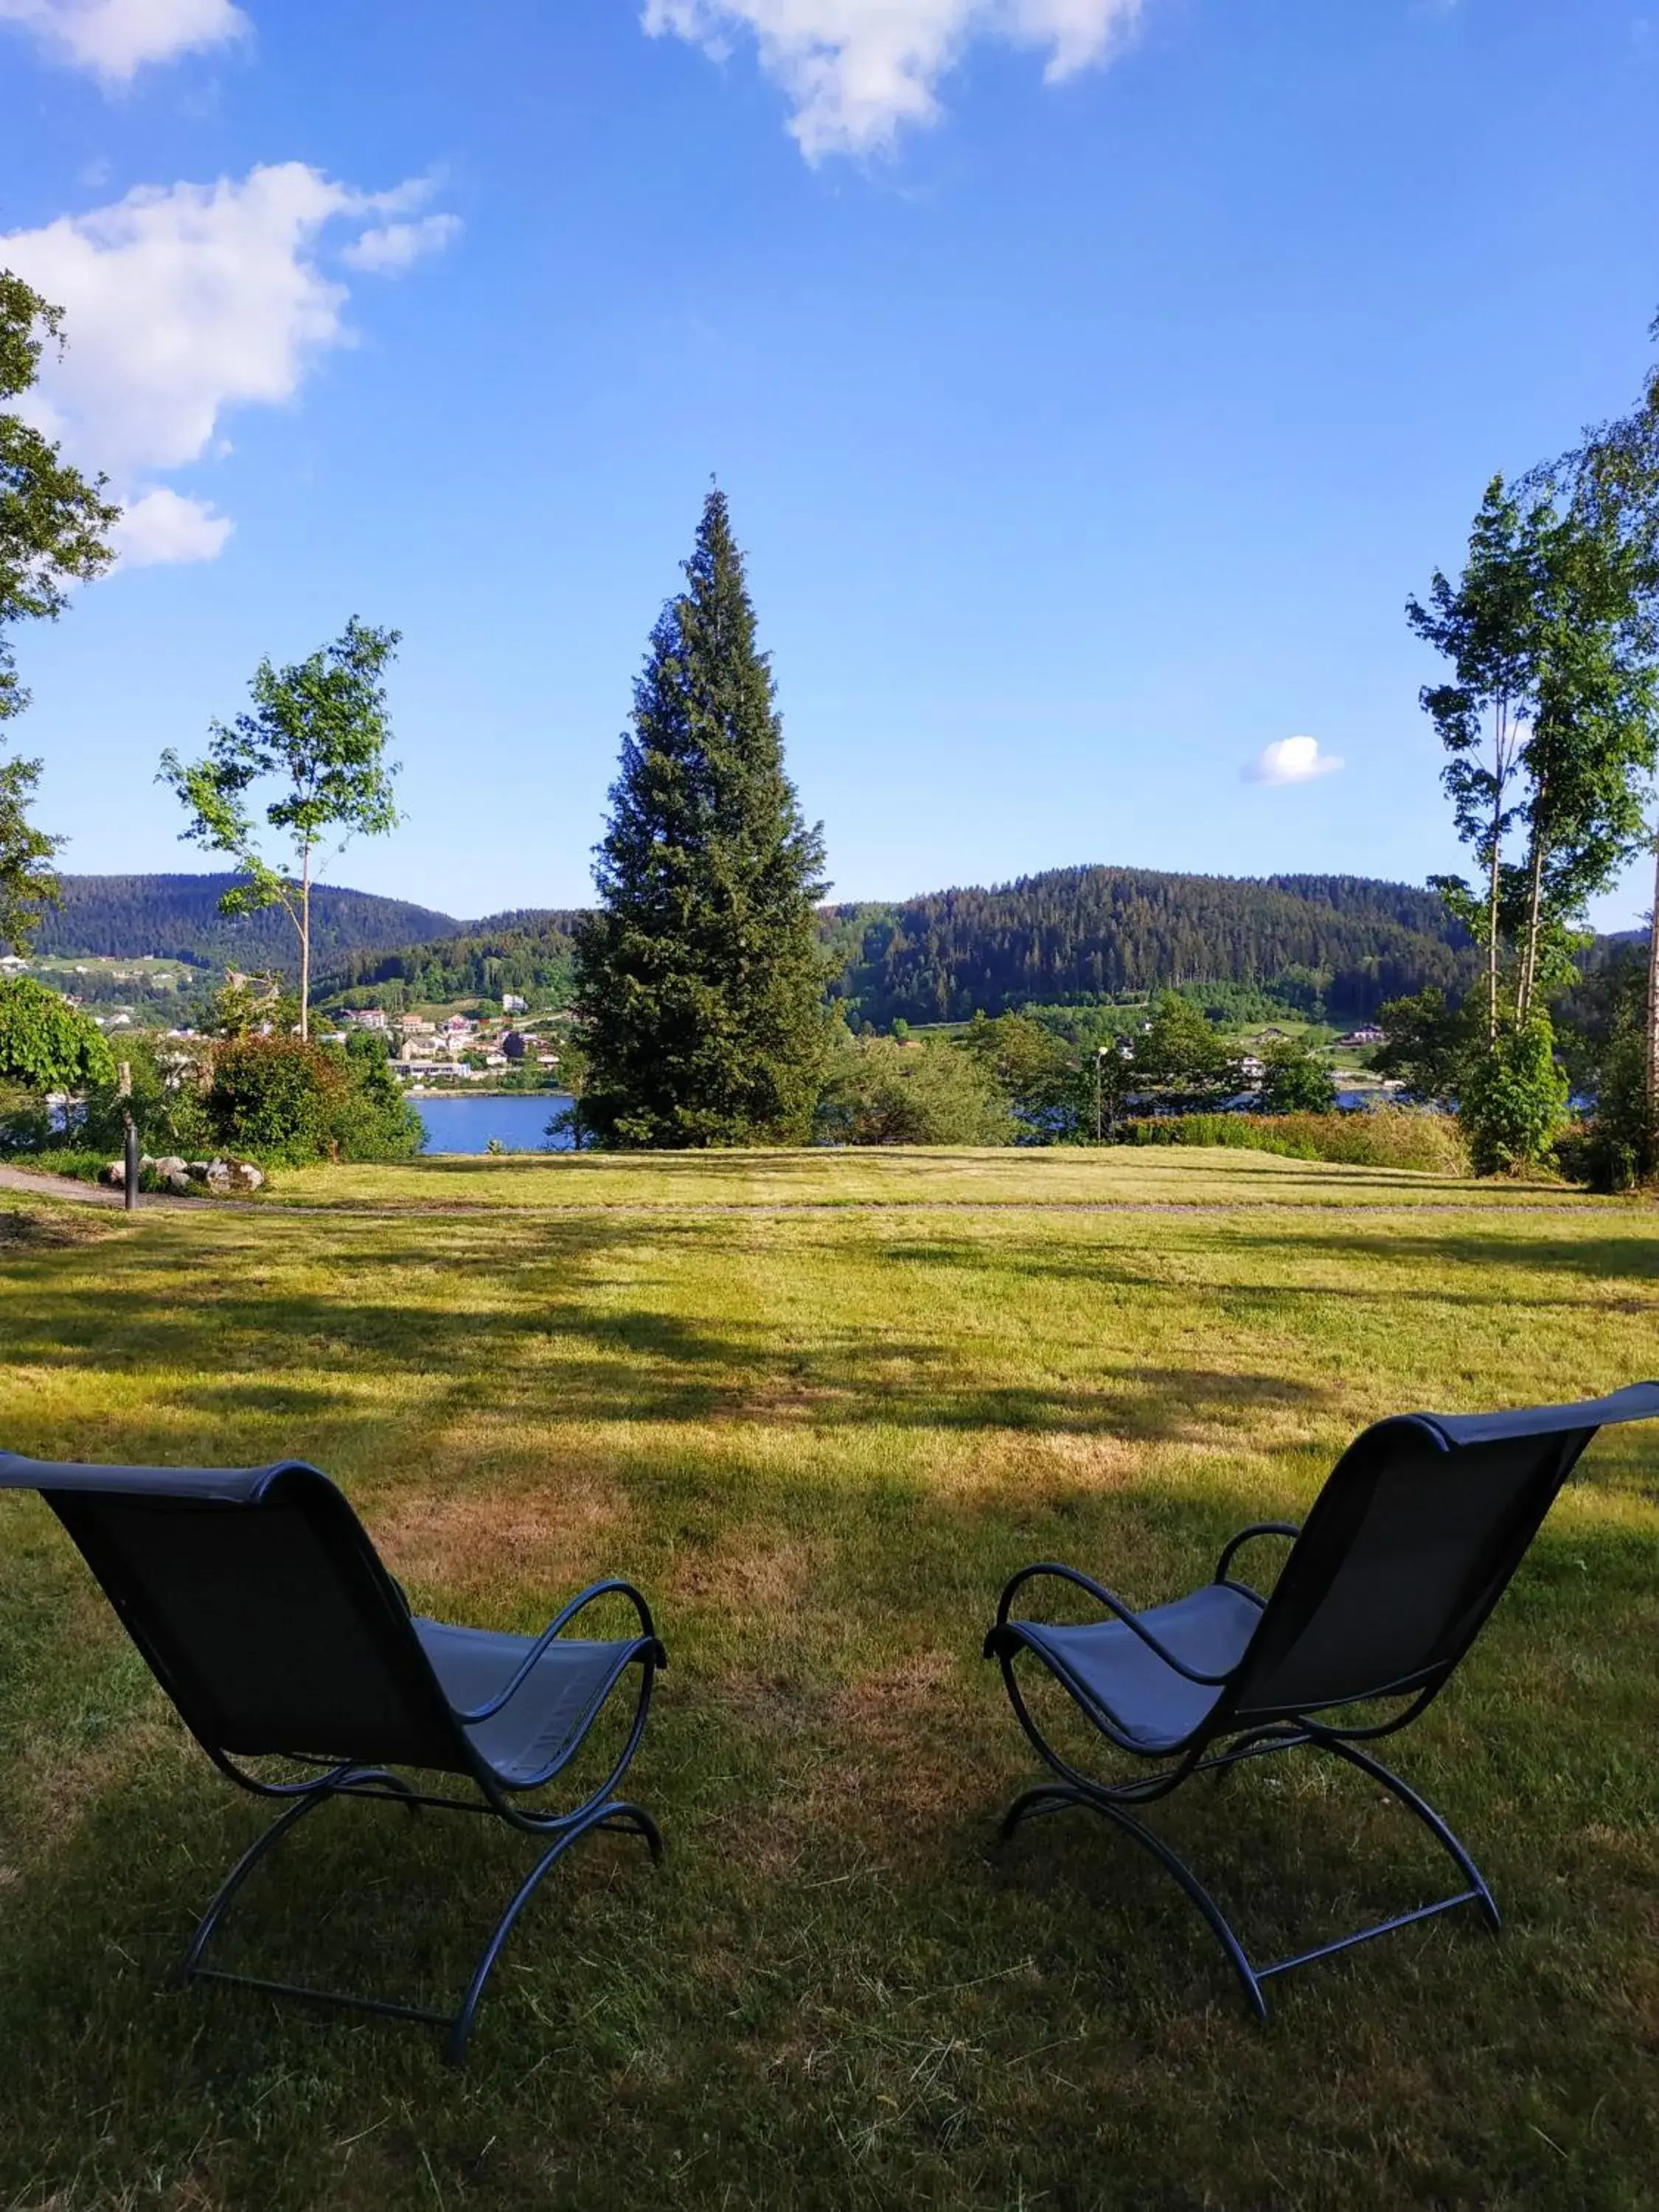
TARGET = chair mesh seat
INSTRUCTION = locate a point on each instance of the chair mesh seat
(1108, 1665)
(269, 1619)
(568, 1684)
(1407, 1549)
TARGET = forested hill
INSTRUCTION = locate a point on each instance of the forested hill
(123, 917)
(1335, 944)
(527, 952)
(1346, 942)
(1338, 944)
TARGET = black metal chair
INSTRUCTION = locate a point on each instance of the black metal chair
(1404, 1553)
(268, 1618)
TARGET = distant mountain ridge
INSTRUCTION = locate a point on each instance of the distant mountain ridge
(1064, 934)
(1346, 943)
(123, 917)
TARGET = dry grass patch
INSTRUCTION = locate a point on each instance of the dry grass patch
(747, 1573)
(897, 1774)
(479, 1544)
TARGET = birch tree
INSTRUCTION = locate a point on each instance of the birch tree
(319, 732)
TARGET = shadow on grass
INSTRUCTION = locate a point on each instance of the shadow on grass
(837, 1977)
(1590, 1253)
(552, 1340)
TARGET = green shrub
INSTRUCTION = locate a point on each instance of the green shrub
(167, 1102)
(1513, 1103)
(1294, 1081)
(880, 1092)
(26, 1123)
(285, 1103)
(371, 1119)
(1618, 1148)
(46, 1043)
(1387, 1137)
(273, 1097)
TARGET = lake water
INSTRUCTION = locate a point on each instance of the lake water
(460, 1124)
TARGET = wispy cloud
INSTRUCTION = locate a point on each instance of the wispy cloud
(185, 301)
(115, 37)
(397, 245)
(856, 71)
(1290, 760)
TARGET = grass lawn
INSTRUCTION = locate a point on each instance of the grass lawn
(820, 1407)
(1063, 1177)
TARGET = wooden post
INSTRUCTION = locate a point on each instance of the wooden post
(129, 1180)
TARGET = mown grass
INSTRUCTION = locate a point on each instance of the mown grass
(821, 1439)
(1061, 1176)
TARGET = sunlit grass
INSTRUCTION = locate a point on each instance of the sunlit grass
(820, 1439)
(1062, 1176)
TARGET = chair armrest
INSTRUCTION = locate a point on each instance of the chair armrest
(1256, 1529)
(1001, 1642)
(648, 1642)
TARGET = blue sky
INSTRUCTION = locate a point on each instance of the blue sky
(1091, 381)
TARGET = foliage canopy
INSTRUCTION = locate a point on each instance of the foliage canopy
(46, 1043)
(880, 1091)
(319, 732)
(54, 531)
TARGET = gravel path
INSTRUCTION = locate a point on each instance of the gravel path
(84, 1194)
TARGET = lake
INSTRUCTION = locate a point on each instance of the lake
(462, 1124)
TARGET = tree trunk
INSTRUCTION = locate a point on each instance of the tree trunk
(1492, 944)
(305, 946)
(1500, 727)
(1535, 918)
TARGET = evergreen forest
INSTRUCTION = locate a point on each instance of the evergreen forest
(1336, 946)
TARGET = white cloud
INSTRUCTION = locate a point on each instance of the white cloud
(856, 70)
(185, 301)
(164, 526)
(397, 245)
(115, 37)
(1292, 760)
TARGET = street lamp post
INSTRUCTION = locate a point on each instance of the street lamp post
(1100, 1060)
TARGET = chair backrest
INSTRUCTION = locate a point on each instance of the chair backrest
(1408, 1548)
(262, 1607)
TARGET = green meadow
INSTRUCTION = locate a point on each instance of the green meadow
(819, 1408)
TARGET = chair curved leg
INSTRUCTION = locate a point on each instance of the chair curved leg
(1076, 1788)
(616, 1812)
(1054, 1798)
(1479, 1894)
(634, 1819)
(1046, 1797)
(1219, 1926)
(347, 1784)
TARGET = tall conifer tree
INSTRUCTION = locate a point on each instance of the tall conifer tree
(700, 975)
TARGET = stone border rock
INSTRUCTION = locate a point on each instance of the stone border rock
(222, 1177)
